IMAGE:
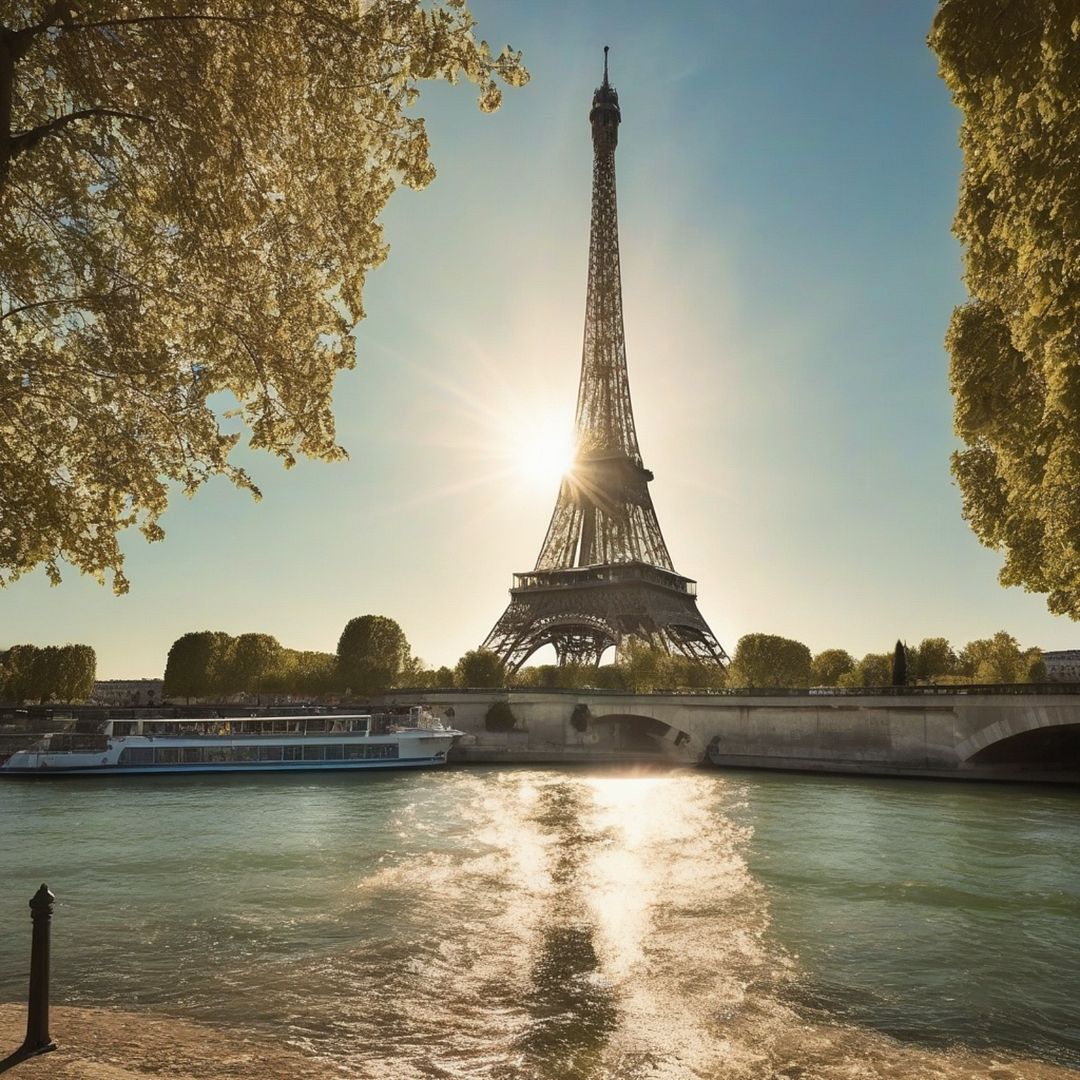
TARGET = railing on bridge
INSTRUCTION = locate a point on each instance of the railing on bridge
(1003, 689)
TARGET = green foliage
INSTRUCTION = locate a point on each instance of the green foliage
(1013, 67)
(609, 677)
(189, 207)
(480, 668)
(682, 673)
(874, 669)
(212, 664)
(78, 666)
(255, 659)
(1000, 659)
(431, 678)
(641, 664)
(557, 676)
(52, 673)
(372, 653)
(500, 717)
(764, 660)
(304, 672)
(828, 665)
(197, 664)
(931, 660)
(899, 665)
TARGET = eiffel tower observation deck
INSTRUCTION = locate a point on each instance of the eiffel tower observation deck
(604, 572)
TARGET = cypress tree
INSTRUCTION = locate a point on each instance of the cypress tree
(899, 665)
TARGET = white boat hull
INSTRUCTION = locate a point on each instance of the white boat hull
(149, 755)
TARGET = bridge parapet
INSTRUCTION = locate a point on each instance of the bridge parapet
(926, 734)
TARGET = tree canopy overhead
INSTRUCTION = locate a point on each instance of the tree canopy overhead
(189, 195)
(1013, 67)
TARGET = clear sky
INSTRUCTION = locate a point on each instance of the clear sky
(787, 176)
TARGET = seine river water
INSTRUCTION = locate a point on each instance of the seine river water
(518, 922)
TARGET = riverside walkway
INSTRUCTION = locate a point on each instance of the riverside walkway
(105, 1044)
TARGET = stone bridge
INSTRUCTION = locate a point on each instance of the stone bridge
(954, 732)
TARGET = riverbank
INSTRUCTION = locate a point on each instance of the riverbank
(107, 1044)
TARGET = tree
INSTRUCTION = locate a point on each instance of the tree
(255, 660)
(686, 674)
(874, 669)
(828, 665)
(19, 672)
(610, 677)
(766, 660)
(194, 667)
(643, 666)
(899, 665)
(1013, 68)
(440, 678)
(189, 203)
(45, 675)
(78, 666)
(932, 659)
(1000, 659)
(480, 667)
(372, 653)
(312, 673)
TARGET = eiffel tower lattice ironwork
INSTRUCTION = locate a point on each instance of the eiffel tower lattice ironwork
(604, 572)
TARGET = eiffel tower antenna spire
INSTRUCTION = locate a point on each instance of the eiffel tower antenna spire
(604, 572)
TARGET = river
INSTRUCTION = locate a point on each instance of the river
(519, 922)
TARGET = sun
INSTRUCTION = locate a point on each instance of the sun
(540, 450)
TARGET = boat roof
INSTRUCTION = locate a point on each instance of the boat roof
(205, 719)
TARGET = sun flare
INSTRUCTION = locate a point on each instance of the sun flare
(540, 450)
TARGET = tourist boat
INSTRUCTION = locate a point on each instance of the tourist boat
(240, 744)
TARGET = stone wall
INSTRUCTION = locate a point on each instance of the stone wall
(905, 734)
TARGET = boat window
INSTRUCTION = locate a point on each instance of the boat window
(75, 742)
(136, 755)
(313, 753)
(334, 753)
(245, 753)
(290, 753)
(381, 750)
(167, 755)
(270, 753)
(217, 754)
(353, 752)
(192, 755)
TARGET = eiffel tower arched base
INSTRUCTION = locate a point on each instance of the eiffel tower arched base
(584, 611)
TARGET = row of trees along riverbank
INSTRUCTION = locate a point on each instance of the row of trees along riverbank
(47, 673)
(373, 655)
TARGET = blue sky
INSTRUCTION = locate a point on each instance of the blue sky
(787, 177)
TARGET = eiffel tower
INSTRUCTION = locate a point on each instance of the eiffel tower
(604, 572)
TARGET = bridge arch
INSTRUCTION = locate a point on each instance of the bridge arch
(638, 731)
(1034, 734)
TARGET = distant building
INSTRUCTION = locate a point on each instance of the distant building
(122, 692)
(1062, 666)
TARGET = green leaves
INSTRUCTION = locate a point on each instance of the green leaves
(1013, 68)
(763, 660)
(196, 213)
(480, 667)
(49, 673)
(372, 654)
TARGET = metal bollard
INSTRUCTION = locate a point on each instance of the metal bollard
(37, 1019)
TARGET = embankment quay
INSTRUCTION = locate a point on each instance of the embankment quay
(988, 733)
(1021, 733)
